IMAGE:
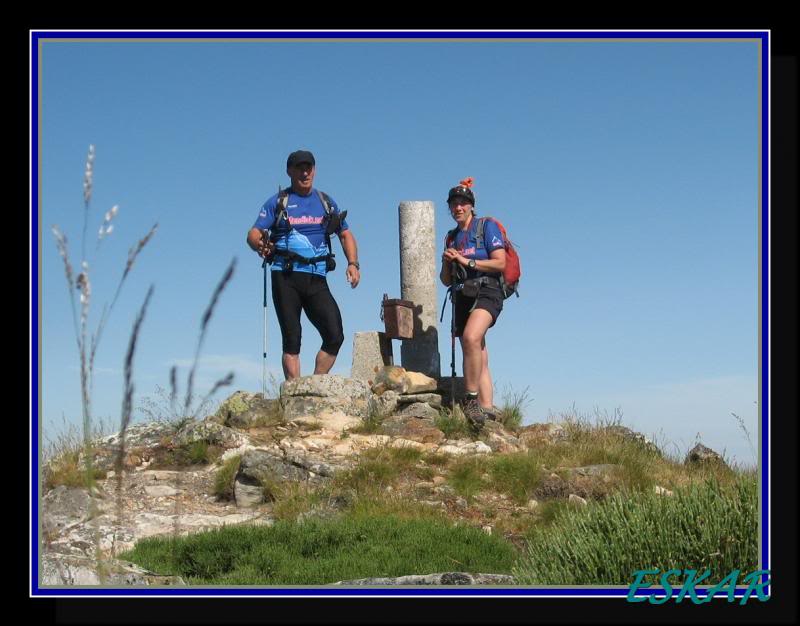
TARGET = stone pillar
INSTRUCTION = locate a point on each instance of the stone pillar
(418, 279)
(371, 350)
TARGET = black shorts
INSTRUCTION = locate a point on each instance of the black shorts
(302, 291)
(490, 299)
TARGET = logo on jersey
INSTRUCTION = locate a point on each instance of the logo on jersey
(306, 219)
(496, 242)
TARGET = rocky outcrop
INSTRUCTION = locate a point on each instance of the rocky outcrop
(312, 433)
(210, 431)
(311, 396)
(71, 570)
(246, 410)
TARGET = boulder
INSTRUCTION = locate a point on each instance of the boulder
(247, 492)
(260, 465)
(433, 399)
(700, 454)
(384, 404)
(631, 435)
(421, 410)
(499, 439)
(419, 383)
(311, 395)
(211, 432)
(331, 421)
(390, 378)
(245, 410)
(413, 429)
(536, 434)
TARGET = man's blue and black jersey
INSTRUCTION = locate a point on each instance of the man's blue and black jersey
(305, 228)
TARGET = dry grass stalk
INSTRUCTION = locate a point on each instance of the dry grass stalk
(204, 325)
(127, 400)
(82, 283)
(88, 178)
(190, 379)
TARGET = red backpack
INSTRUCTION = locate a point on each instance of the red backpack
(509, 279)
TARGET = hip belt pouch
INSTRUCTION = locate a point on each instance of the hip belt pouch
(471, 287)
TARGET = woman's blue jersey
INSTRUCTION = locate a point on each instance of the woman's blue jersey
(466, 242)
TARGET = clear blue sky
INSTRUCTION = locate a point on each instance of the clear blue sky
(625, 171)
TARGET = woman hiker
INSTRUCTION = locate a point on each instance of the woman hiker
(472, 271)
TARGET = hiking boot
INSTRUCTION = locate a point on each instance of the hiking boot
(492, 414)
(473, 413)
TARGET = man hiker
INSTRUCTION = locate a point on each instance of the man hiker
(292, 233)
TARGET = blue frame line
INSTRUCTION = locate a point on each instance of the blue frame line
(401, 35)
(38, 37)
(621, 592)
(34, 426)
(765, 326)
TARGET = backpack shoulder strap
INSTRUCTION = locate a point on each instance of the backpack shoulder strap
(283, 200)
(480, 230)
(326, 201)
(450, 237)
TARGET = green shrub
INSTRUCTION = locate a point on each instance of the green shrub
(704, 526)
(317, 551)
(225, 476)
(512, 412)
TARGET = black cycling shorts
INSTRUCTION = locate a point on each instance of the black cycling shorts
(296, 291)
(490, 299)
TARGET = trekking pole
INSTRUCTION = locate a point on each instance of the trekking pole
(452, 337)
(265, 235)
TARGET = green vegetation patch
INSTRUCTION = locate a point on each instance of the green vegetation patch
(225, 477)
(453, 423)
(704, 526)
(70, 472)
(466, 476)
(324, 551)
(194, 453)
(518, 475)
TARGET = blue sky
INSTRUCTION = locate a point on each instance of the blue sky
(625, 171)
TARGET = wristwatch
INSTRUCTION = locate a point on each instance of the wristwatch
(358, 267)
(471, 264)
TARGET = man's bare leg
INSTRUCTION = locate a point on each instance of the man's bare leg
(291, 366)
(324, 362)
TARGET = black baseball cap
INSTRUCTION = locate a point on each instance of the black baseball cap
(461, 191)
(300, 156)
